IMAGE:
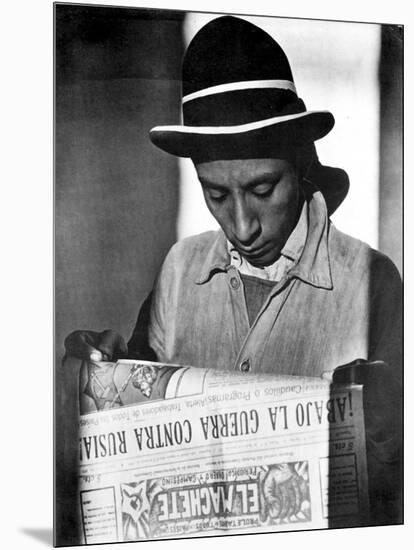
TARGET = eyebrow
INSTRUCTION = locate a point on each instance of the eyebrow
(258, 180)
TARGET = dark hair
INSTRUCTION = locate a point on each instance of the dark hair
(304, 158)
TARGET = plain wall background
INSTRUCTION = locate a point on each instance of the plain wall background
(117, 75)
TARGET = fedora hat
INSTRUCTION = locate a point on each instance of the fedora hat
(239, 97)
(240, 101)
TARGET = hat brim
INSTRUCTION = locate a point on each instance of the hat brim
(252, 140)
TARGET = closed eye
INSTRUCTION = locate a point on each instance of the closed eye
(215, 195)
(263, 189)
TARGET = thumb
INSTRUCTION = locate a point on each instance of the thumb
(110, 344)
(82, 344)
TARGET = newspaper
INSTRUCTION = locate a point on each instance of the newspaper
(167, 451)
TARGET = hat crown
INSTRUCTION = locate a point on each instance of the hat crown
(229, 49)
(235, 73)
(239, 98)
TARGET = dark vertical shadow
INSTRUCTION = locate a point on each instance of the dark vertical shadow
(344, 508)
(382, 393)
(381, 401)
(390, 77)
(385, 297)
(118, 74)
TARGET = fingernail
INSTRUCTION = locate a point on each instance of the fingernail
(96, 356)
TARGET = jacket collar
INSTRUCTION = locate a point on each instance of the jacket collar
(217, 259)
(313, 266)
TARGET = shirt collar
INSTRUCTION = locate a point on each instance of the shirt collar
(290, 253)
(296, 242)
(313, 266)
(217, 259)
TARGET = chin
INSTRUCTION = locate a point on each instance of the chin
(264, 261)
(258, 263)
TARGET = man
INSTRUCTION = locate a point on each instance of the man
(279, 289)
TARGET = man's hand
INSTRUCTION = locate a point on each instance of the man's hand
(95, 346)
(382, 395)
(284, 491)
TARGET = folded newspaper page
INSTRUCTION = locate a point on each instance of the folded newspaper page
(167, 451)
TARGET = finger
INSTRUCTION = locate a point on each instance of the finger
(294, 497)
(97, 356)
(350, 373)
(111, 343)
(290, 499)
(82, 345)
(361, 371)
(381, 388)
(269, 486)
(304, 489)
(327, 375)
(284, 499)
(382, 396)
(274, 507)
(262, 499)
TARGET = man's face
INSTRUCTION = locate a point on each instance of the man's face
(255, 201)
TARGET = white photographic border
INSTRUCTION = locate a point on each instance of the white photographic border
(27, 269)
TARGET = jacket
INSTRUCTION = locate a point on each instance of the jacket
(341, 301)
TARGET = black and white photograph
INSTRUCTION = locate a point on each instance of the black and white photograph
(205, 249)
(228, 274)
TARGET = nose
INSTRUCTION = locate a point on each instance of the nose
(246, 226)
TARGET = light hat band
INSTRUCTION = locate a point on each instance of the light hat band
(239, 98)
(245, 85)
(231, 130)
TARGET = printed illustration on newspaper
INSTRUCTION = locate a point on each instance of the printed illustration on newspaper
(167, 451)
